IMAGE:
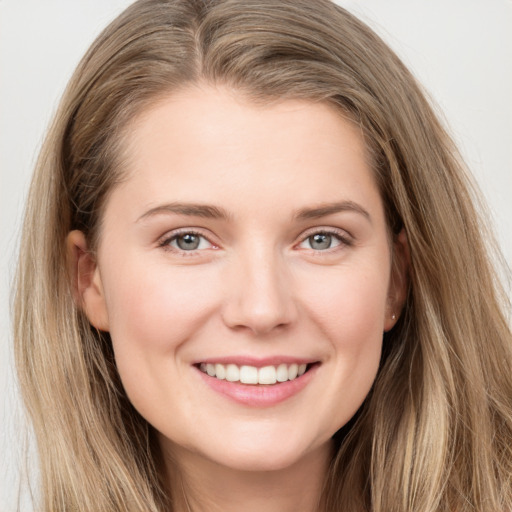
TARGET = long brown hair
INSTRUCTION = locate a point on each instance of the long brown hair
(435, 433)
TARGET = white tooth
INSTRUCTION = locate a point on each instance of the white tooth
(249, 375)
(282, 373)
(210, 370)
(202, 367)
(220, 371)
(301, 370)
(267, 375)
(232, 373)
(292, 371)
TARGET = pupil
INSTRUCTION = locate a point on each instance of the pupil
(320, 241)
(188, 242)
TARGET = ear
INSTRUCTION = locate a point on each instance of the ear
(399, 280)
(86, 280)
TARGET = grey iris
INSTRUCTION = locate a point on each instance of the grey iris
(320, 241)
(188, 242)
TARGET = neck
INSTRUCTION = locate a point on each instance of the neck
(199, 484)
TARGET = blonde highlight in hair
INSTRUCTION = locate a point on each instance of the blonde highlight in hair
(435, 433)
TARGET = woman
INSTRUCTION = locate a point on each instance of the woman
(248, 277)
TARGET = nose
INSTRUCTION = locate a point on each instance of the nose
(258, 294)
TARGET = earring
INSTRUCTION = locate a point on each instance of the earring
(393, 316)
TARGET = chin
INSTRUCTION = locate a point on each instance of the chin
(250, 461)
(251, 454)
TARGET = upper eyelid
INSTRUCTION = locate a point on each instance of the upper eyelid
(183, 231)
(342, 233)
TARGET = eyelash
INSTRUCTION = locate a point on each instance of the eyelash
(344, 239)
(165, 243)
(340, 235)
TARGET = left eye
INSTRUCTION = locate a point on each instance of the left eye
(189, 242)
(321, 241)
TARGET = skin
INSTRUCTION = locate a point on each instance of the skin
(257, 286)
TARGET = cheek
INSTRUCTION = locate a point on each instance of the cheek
(154, 308)
(350, 305)
(356, 330)
(350, 310)
(154, 313)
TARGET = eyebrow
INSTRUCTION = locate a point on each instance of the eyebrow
(215, 212)
(192, 209)
(330, 208)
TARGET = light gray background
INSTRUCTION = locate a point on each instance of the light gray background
(461, 50)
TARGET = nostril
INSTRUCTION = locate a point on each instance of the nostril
(259, 298)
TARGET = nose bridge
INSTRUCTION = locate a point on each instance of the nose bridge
(259, 297)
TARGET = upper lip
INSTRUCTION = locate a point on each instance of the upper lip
(258, 362)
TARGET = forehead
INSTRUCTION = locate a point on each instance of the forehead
(219, 115)
(215, 143)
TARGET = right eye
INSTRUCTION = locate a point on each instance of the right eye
(186, 241)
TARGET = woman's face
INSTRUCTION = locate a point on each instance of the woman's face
(246, 244)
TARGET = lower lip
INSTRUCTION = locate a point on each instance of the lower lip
(259, 395)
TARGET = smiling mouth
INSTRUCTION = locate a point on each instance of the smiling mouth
(246, 374)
